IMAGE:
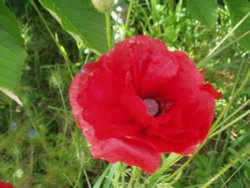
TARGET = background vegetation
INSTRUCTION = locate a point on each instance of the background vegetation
(40, 144)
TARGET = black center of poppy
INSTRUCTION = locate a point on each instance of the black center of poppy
(152, 106)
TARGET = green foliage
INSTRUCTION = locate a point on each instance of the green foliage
(12, 54)
(205, 11)
(167, 163)
(234, 161)
(238, 9)
(80, 19)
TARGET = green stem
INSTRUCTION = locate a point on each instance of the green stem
(127, 18)
(87, 179)
(217, 52)
(171, 6)
(225, 38)
(109, 31)
(229, 124)
(133, 177)
(225, 168)
(59, 46)
(138, 177)
(232, 115)
(32, 115)
(226, 109)
(183, 166)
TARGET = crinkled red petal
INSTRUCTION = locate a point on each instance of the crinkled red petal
(107, 99)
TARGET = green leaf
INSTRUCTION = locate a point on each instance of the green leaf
(204, 11)
(100, 180)
(243, 160)
(167, 163)
(238, 9)
(12, 54)
(80, 19)
(110, 176)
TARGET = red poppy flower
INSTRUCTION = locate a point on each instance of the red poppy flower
(5, 185)
(140, 101)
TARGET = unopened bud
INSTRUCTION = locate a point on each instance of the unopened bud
(103, 6)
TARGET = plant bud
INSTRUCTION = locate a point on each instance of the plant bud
(103, 6)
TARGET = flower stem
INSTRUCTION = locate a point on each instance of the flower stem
(227, 107)
(109, 31)
(171, 6)
(133, 177)
(127, 18)
(56, 41)
(138, 177)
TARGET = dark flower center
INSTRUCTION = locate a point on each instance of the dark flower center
(153, 106)
(156, 107)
